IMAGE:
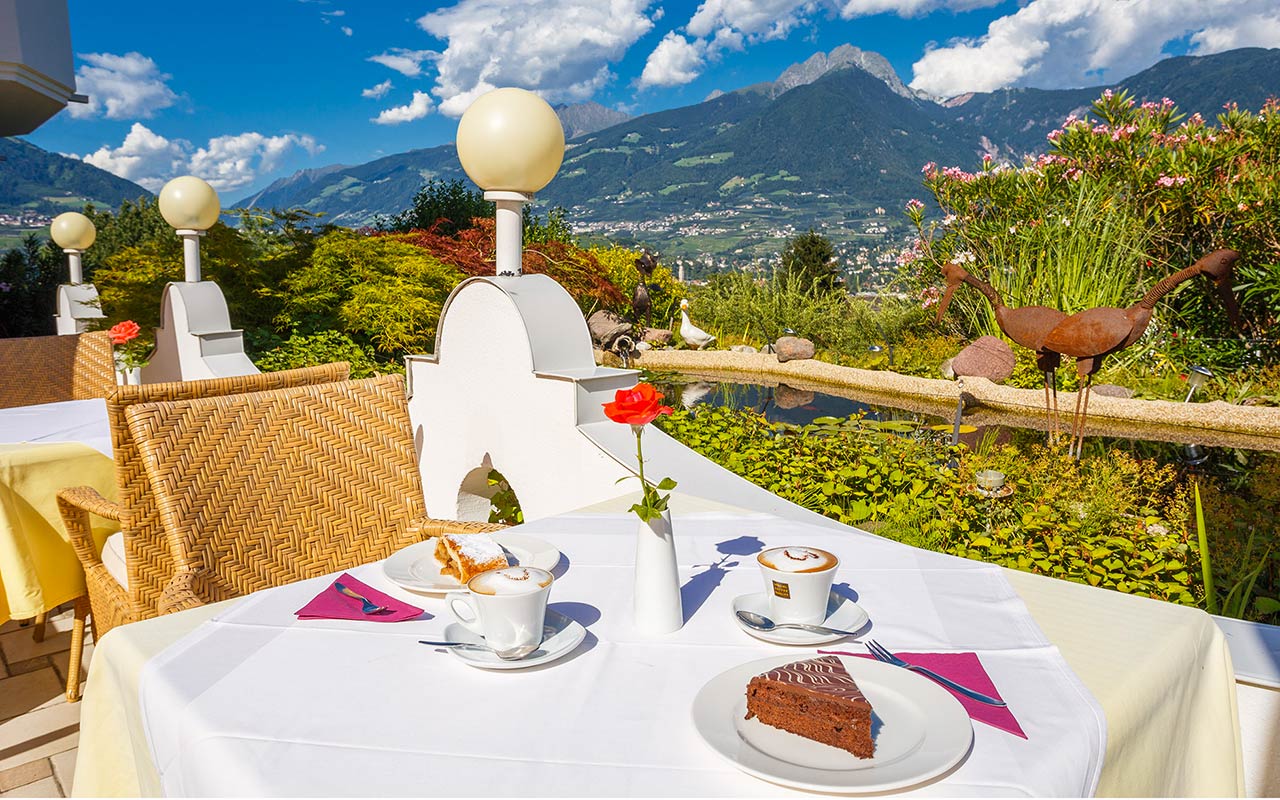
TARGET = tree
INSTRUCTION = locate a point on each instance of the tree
(809, 259)
(445, 206)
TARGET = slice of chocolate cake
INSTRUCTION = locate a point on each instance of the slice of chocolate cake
(816, 699)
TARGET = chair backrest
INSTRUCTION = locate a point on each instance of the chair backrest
(148, 561)
(52, 369)
(263, 489)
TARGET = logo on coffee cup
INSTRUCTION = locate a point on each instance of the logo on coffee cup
(782, 590)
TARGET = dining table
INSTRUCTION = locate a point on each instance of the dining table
(43, 449)
(1110, 694)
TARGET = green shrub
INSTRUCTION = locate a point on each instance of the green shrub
(326, 347)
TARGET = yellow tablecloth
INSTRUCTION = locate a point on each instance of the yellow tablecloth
(1162, 674)
(38, 568)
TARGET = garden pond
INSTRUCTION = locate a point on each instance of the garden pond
(1122, 517)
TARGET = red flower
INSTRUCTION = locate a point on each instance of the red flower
(637, 406)
(124, 332)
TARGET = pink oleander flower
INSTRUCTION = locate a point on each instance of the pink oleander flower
(1171, 180)
(986, 158)
(929, 169)
(914, 205)
(1108, 94)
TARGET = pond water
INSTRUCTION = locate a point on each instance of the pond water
(785, 404)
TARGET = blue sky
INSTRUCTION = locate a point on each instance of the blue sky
(248, 91)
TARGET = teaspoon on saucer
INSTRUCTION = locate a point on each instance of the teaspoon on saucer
(514, 654)
(763, 623)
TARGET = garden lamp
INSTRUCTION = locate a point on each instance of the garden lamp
(511, 143)
(191, 206)
(1196, 377)
(74, 233)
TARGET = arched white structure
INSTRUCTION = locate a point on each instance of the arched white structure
(514, 384)
(195, 339)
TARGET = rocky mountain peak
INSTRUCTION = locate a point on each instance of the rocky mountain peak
(846, 55)
(583, 118)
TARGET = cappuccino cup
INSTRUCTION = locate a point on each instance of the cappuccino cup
(507, 606)
(797, 581)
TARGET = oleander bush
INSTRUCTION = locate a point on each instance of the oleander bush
(1124, 196)
(1113, 519)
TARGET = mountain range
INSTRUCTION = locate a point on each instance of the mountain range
(836, 142)
(36, 181)
(832, 140)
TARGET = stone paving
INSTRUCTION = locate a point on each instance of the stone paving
(39, 729)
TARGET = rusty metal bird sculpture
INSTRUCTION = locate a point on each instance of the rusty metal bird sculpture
(1027, 326)
(1091, 335)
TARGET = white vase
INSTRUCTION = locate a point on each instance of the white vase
(133, 376)
(656, 604)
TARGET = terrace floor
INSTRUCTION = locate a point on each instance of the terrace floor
(39, 729)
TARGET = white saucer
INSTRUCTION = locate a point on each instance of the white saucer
(560, 635)
(921, 731)
(415, 567)
(842, 613)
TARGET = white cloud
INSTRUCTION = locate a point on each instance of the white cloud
(418, 107)
(406, 62)
(673, 62)
(1065, 43)
(560, 48)
(228, 163)
(909, 8)
(757, 20)
(121, 87)
(145, 158)
(346, 30)
(377, 91)
(337, 13)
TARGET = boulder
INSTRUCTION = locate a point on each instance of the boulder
(659, 336)
(988, 357)
(787, 397)
(946, 370)
(793, 348)
(605, 327)
(1112, 390)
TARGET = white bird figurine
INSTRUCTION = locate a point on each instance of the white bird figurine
(692, 334)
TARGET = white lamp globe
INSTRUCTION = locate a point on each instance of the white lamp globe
(73, 231)
(188, 203)
(510, 140)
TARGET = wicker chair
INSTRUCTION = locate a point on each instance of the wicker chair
(265, 489)
(147, 563)
(52, 369)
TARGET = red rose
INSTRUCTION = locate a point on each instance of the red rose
(637, 406)
(124, 332)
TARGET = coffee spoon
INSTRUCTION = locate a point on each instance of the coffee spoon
(514, 654)
(763, 623)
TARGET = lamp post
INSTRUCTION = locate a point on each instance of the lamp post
(1196, 377)
(195, 339)
(511, 143)
(74, 233)
(191, 206)
(77, 300)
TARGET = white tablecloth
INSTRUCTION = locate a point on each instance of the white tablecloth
(82, 421)
(256, 702)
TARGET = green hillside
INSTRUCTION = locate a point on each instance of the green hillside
(32, 179)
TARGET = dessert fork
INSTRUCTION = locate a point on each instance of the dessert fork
(882, 654)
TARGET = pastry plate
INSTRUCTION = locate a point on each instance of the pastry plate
(921, 731)
(842, 613)
(415, 567)
(560, 635)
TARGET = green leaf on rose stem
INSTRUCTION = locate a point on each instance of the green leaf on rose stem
(1266, 605)
(666, 484)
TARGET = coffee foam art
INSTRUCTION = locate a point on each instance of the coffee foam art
(797, 559)
(510, 580)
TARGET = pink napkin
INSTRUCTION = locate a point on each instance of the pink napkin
(332, 604)
(966, 669)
